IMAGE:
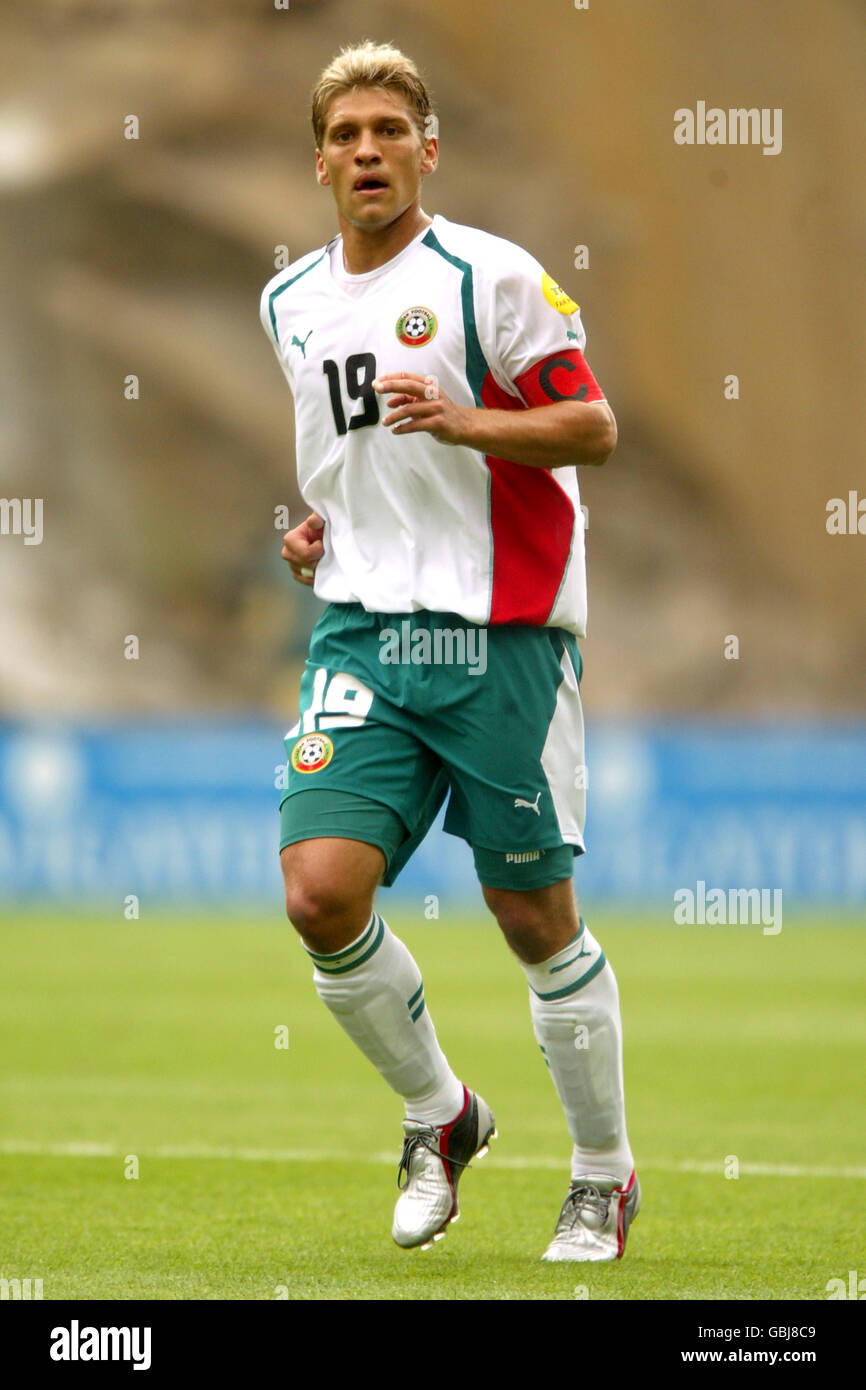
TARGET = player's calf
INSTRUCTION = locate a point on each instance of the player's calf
(369, 982)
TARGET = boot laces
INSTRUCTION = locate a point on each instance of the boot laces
(426, 1139)
(585, 1197)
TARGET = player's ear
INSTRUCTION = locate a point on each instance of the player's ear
(430, 157)
(322, 175)
(430, 142)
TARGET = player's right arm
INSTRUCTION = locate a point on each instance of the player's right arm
(303, 548)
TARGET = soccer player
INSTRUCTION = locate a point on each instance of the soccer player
(442, 402)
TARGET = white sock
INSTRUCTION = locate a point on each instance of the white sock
(574, 1002)
(374, 990)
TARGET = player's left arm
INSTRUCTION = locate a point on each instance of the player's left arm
(541, 405)
(553, 435)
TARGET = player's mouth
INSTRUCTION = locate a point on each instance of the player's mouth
(369, 185)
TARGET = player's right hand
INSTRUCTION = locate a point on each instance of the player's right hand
(303, 548)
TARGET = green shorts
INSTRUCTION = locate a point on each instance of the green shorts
(399, 710)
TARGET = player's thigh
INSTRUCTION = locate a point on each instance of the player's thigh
(360, 785)
(356, 736)
(514, 753)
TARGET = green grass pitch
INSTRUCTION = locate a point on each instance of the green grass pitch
(270, 1172)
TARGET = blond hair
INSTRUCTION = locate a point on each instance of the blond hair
(371, 64)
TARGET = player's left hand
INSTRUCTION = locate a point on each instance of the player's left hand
(417, 403)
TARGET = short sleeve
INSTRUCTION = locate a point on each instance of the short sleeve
(539, 337)
(264, 312)
(268, 321)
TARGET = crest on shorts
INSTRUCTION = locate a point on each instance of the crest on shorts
(312, 752)
(417, 326)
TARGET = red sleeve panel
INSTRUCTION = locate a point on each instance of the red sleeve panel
(531, 523)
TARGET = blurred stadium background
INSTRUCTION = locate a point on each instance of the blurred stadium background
(156, 777)
(147, 256)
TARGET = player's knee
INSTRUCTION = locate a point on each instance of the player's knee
(516, 916)
(330, 886)
(314, 908)
(528, 934)
(326, 913)
(534, 924)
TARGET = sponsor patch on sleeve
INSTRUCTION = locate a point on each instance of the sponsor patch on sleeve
(556, 296)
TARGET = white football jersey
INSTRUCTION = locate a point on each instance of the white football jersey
(412, 523)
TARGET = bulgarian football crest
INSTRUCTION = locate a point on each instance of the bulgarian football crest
(312, 752)
(417, 326)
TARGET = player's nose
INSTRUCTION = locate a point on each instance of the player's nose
(367, 150)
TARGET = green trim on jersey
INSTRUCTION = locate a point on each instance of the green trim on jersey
(295, 278)
(476, 367)
(476, 362)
